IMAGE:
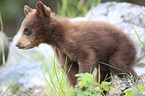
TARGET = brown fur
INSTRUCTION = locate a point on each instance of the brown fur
(84, 43)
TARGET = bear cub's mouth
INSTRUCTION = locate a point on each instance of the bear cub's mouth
(23, 47)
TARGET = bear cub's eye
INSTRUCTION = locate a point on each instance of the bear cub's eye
(27, 32)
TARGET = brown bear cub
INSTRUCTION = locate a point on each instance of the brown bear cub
(85, 44)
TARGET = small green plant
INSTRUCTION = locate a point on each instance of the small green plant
(87, 80)
(139, 90)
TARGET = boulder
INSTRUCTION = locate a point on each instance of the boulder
(29, 63)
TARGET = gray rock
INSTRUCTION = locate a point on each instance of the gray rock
(28, 63)
(3, 43)
(122, 15)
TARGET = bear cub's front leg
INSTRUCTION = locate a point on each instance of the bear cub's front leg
(71, 68)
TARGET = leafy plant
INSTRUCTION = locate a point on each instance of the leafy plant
(92, 88)
(138, 91)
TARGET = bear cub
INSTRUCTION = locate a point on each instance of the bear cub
(86, 44)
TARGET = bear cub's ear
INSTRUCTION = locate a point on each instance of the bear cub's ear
(42, 10)
(27, 9)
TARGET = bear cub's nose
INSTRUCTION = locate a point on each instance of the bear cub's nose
(18, 44)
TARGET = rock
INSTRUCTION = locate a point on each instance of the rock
(140, 2)
(3, 43)
(29, 63)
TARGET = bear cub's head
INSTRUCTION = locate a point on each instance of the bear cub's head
(33, 27)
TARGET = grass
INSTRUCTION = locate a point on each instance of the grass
(138, 36)
(4, 62)
(9, 87)
(75, 8)
(2, 43)
(55, 78)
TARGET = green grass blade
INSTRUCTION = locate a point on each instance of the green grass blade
(47, 69)
(45, 92)
(1, 22)
(9, 38)
(24, 90)
(11, 91)
(52, 89)
(98, 2)
(115, 68)
(138, 36)
(64, 7)
(99, 77)
(57, 77)
(11, 84)
(2, 42)
(63, 76)
(22, 56)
